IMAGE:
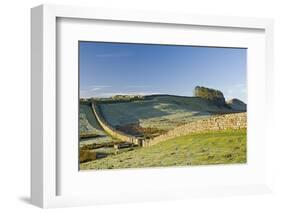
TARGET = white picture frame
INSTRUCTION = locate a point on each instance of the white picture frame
(45, 168)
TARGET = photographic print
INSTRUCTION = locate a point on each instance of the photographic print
(155, 105)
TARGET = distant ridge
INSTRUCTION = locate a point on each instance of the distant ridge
(176, 96)
(237, 105)
(212, 97)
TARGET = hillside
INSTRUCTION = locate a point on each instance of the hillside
(89, 125)
(149, 115)
(159, 118)
(163, 112)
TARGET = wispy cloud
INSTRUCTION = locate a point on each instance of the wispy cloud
(241, 88)
(91, 91)
(99, 87)
(235, 91)
(230, 91)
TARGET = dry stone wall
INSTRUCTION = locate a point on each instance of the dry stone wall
(222, 122)
(107, 127)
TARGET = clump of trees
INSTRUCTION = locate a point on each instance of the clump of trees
(127, 97)
(113, 99)
(85, 101)
(212, 95)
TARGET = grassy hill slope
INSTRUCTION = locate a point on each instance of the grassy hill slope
(159, 111)
(221, 147)
(89, 125)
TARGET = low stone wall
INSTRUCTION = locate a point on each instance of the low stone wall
(222, 122)
(108, 128)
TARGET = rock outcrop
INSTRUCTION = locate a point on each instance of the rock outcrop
(212, 95)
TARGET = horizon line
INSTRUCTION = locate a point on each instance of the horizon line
(157, 94)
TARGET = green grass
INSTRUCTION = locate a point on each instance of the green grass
(221, 147)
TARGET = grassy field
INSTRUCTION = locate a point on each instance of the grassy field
(221, 147)
(162, 112)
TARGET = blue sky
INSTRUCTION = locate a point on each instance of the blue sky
(107, 69)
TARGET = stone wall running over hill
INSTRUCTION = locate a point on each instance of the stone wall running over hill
(107, 127)
(222, 122)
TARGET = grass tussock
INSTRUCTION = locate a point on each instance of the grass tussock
(86, 155)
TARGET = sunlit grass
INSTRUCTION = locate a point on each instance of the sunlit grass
(220, 147)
